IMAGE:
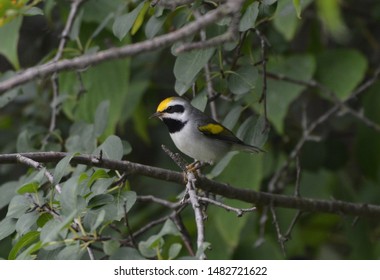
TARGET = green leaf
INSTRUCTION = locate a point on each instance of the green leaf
(248, 19)
(100, 199)
(18, 206)
(98, 174)
(43, 219)
(111, 148)
(33, 11)
(151, 246)
(137, 89)
(221, 165)
(286, 21)
(244, 170)
(97, 11)
(8, 47)
(126, 253)
(9, 95)
(231, 235)
(168, 228)
(124, 23)
(330, 13)
(140, 18)
(188, 65)
(7, 227)
(24, 142)
(243, 80)
(82, 138)
(110, 247)
(153, 26)
(26, 222)
(106, 81)
(297, 7)
(341, 70)
(71, 252)
(99, 220)
(127, 198)
(101, 185)
(260, 134)
(7, 192)
(233, 116)
(101, 117)
(280, 94)
(174, 250)
(127, 148)
(61, 168)
(253, 131)
(52, 229)
(69, 195)
(25, 240)
(200, 101)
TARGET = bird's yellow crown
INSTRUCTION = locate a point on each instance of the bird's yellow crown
(164, 104)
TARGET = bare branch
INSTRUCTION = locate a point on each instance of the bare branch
(306, 136)
(239, 211)
(170, 4)
(74, 8)
(263, 97)
(75, 4)
(193, 198)
(234, 7)
(80, 62)
(199, 220)
(29, 162)
(280, 238)
(250, 196)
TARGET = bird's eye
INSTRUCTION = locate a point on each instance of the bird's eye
(169, 109)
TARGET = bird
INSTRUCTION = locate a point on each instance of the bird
(196, 134)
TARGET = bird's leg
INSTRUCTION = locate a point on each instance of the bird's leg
(196, 165)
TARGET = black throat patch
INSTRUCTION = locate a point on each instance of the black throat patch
(173, 125)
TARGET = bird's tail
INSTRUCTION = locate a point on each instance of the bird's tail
(248, 148)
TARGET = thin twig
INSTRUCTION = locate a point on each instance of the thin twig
(199, 219)
(90, 253)
(306, 136)
(209, 85)
(163, 202)
(288, 233)
(126, 221)
(193, 198)
(263, 97)
(170, 4)
(74, 8)
(239, 211)
(280, 237)
(177, 220)
(30, 162)
(297, 192)
(176, 157)
(262, 224)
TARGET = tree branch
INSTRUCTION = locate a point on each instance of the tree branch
(253, 197)
(80, 62)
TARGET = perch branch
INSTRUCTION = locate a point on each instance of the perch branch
(258, 198)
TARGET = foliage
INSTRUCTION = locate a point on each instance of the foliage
(288, 63)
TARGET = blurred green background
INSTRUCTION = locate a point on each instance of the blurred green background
(335, 43)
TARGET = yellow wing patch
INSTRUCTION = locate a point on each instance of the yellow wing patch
(164, 104)
(211, 128)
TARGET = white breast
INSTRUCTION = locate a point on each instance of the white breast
(193, 143)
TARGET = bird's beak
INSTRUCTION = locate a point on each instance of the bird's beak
(156, 115)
